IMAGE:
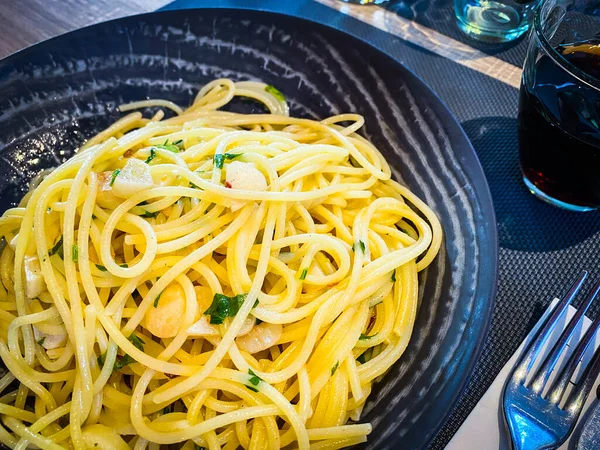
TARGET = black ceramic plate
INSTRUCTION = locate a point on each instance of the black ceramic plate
(56, 94)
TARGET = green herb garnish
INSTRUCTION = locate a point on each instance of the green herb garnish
(275, 92)
(137, 342)
(75, 253)
(335, 367)
(124, 266)
(170, 147)
(361, 245)
(254, 379)
(151, 157)
(101, 268)
(220, 158)
(394, 276)
(365, 336)
(57, 248)
(125, 360)
(303, 274)
(223, 306)
(253, 389)
(120, 362)
(114, 175)
(156, 300)
(150, 215)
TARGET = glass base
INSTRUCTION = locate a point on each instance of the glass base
(492, 21)
(553, 201)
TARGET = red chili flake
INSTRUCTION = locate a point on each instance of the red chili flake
(128, 154)
(228, 184)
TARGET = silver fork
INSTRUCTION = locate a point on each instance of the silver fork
(539, 418)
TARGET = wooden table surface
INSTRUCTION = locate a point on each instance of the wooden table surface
(25, 22)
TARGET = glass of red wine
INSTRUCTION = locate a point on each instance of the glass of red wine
(559, 106)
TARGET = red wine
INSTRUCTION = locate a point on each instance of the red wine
(559, 127)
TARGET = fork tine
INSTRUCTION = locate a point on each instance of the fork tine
(541, 377)
(588, 378)
(560, 384)
(526, 361)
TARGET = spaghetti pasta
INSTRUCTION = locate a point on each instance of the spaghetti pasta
(211, 279)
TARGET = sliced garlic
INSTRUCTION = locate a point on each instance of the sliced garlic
(203, 328)
(132, 178)
(34, 280)
(260, 338)
(50, 341)
(244, 176)
(164, 320)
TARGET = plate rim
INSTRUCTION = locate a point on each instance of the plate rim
(469, 162)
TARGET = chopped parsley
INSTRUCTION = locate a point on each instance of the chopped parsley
(361, 245)
(275, 92)
(57, 249)
(75, 253)
(365, 356)
(394, 276)
(365, 336)
(223, 306)
(156, 300)
(137, 342)
(192, 185)
(151, 157)
(125, 360)
(124, 266)
(114, 176)
(41, 341)
(120, 362)
(254, 379)
(101, 268)
(335, 367)
(220, 158)
(303, 274)
(170, 147)
(150, 215)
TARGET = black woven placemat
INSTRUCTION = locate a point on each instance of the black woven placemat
(542, 249)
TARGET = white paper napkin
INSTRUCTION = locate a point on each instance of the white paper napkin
(484, 427)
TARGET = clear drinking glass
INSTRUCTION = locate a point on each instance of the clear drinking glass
(559, 106)
(494, 20)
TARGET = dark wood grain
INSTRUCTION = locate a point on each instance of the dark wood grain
(25, 22)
